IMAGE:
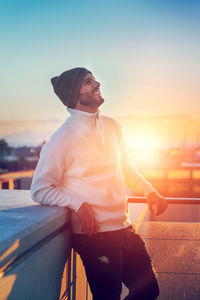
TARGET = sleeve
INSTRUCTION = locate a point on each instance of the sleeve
(132, 176)
(46, 185)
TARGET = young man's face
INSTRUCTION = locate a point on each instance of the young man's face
(90, 95)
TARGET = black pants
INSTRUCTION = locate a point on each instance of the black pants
(113, 257)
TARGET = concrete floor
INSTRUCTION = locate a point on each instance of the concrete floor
(175, 252)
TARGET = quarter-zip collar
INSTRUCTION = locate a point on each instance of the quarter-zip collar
(89, 121)
(79, 114)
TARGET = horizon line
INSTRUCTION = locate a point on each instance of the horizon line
(4, 122)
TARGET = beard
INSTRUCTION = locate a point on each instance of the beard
(90, 100)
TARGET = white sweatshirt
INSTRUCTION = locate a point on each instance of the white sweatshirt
(86, 160)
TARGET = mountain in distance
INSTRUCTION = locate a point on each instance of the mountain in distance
(26, 138)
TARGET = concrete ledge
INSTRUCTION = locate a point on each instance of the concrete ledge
(31, 235)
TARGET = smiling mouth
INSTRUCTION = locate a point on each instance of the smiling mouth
(97, 92)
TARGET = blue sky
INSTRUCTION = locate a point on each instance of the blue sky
(146, 54)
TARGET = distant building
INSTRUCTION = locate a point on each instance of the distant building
(3, 149)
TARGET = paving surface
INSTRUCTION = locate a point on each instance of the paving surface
(175, 252)
(185, 213)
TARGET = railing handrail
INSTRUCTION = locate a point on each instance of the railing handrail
(169, 200)
(16, 175)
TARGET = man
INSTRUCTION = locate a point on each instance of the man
(85, 166)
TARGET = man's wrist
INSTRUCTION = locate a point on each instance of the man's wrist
(152, 195)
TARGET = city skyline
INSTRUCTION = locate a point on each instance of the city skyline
(152, 132)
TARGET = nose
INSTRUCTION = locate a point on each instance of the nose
(96, 83)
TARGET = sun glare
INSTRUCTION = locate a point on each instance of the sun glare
(144, 147)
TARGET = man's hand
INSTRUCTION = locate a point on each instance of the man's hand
(88, 221)
(157, 200)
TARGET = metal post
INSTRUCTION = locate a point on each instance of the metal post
(69, 277)
(87, 290)
(74, 276)
(11, 184)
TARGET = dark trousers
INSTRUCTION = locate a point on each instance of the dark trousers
(113, 257)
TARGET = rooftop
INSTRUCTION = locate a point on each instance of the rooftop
(35, 253)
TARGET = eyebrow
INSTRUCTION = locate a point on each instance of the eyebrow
(88, 79)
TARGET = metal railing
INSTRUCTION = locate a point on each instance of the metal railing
(164, 177)
(10, 177)
(169, 200)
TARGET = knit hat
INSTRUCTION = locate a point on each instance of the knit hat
(67, 85)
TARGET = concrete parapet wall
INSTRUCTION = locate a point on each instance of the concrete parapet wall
(34, 247)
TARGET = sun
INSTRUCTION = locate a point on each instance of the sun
(144, 147)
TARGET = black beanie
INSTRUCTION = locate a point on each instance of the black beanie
(67, 85)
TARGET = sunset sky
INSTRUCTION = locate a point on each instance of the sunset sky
(146, 55)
